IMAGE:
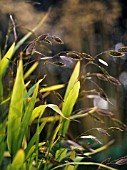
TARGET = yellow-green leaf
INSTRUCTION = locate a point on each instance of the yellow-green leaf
(31, 69)
(73, 79)
(68, 106)
(60, 154)
(5, 60)
(27, 115)
(38, 111)
(15, 111)
(18, 161)
(72, 157)
(52, 88)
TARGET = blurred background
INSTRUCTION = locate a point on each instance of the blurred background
(89, 26)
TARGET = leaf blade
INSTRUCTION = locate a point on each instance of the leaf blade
(26, 118)
(52, 88)
(15, 111)
(68, 107)
(5, 62)
(73, 79)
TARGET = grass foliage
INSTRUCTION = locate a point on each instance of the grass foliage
(20, 150)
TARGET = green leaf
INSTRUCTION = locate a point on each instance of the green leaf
(68, 106)
(4, 101)
(51, 144)
(56, 109)
(60, 154)
(1, 90)
(2, 139)
(38, 111)
(32, 149)
(2, 150)
(33, 139)
(52, 88)
(70, 98)
(27, 115)
(31, 90)
(73, 79)
(54, 137)
(18, 161)
(15, 111)
(31, 69)
(72, 157)
(5, 62)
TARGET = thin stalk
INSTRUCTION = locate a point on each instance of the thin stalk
(85, 163)
(33, 30)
